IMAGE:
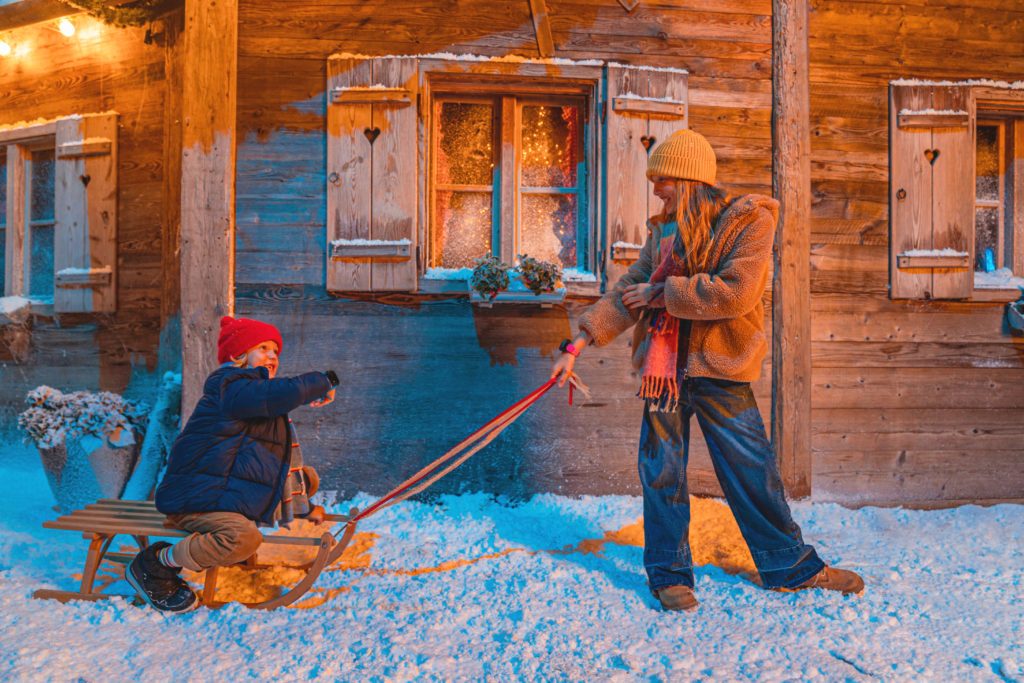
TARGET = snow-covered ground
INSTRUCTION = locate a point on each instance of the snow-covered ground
(552, 589)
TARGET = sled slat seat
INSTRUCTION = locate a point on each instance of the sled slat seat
(101, 521)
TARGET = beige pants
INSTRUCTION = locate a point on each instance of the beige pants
(218, 539)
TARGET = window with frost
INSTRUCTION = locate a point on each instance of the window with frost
(58, 212)
(509, 178)
(956, 190)
(997, 250)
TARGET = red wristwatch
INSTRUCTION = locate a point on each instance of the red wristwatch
(567, 347)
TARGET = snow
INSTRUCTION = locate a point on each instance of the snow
(578, 275)
(13, 304)
(364, 242)
(644, 98)
(1016, 85)
(550, 589)
(627, 245)
(933, 112)
(934, 252)
(1001, 278)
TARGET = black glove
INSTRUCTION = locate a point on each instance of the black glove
(332, 377)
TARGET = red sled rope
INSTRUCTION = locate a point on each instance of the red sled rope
(458, 454)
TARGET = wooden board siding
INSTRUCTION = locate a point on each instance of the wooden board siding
(388, 350)
(87, 74)
(416, 379)
(917, 403)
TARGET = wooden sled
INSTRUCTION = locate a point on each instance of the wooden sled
(101, 521)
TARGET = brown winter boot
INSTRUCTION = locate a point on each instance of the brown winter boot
(832, 579)
(677, 599)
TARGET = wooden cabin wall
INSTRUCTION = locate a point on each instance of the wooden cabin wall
(418, 373)
(917, 403)
(100, 69)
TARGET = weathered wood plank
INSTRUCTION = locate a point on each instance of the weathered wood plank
(983, 324)
(874, 429)
(892, 477)
(918, 388)
(16, 221)
(791, 184)
(849, 354)
(208, 186)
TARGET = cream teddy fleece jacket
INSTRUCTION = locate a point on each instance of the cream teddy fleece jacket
(727, 339)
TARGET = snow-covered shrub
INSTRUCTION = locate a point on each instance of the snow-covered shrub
(539, 276)
(490, 276)
(54, 416)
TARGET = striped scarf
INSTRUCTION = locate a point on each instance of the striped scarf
(659, 386)
(294, 501)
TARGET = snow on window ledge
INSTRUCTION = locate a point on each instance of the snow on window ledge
(934, 252)
(16, 309)
(369, 243)
(1003, 278)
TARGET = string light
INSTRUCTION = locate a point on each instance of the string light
(66, 27)
(5, 49)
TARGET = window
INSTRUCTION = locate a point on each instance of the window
(59, 212)
(435, 161)
(998, 233)
(956, 190)
(510, 177)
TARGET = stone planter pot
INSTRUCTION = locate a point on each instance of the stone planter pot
(86, 468)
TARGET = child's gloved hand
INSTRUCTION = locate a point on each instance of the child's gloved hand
(316, 515)
(324, 400)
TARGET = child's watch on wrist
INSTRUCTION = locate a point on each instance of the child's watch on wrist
(568, 347)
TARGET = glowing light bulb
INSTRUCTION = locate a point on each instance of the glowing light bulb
(66, 27)
(5, 49)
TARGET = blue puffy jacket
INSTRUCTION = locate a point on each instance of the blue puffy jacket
(233, 454)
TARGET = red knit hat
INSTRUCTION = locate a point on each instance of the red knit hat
(238, 335)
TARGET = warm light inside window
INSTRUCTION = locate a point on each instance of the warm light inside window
(66, 27)
(5, 49)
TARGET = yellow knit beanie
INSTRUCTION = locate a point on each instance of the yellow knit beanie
(686, 155)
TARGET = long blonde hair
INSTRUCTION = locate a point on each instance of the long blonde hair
(698, 206)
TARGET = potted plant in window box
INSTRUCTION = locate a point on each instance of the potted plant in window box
(533, 282)
(89, 442)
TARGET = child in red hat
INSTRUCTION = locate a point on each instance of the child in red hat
(236, 466)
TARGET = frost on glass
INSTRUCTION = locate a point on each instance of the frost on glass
(41, 222)
(987, 167)
(462, 228)
(549, 228)
(465, 144)
(550, 149)
(986, 239)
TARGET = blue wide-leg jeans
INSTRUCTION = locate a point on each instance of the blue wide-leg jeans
(745, 465)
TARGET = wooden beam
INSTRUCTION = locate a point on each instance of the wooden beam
(542, 27)
(647, 105)
(17, 219)
(209, 91)
(28, 12)
(170, 224)
(791, 185)
(371, 96)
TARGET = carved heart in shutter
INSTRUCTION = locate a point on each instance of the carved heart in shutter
(371, 134)
(931, 155)
(647, 141)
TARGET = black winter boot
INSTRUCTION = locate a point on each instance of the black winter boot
(159, 585)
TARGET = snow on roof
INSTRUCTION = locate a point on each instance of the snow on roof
(1016, 85)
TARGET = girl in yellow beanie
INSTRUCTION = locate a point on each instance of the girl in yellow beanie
(694, 297)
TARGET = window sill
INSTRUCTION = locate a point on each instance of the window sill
(544, 300)
(16, 310)
(993, 295)
(573, 289)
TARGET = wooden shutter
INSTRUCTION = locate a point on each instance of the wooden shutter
(85, 230)
(372, 166)
(644, 106)
(931, 191)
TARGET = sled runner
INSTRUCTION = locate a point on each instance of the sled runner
(100, 522)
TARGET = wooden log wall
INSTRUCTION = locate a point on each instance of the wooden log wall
(419, 374)
(98, 69)
(918, 403)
